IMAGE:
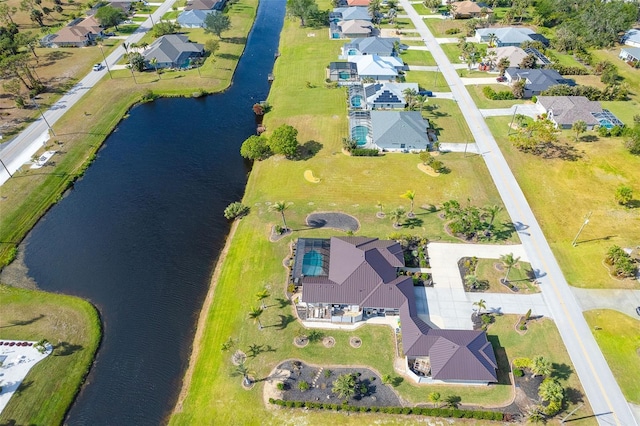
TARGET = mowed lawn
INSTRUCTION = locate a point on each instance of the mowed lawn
(562, 192)
(618, 336)
(73, 328)
(418, 57)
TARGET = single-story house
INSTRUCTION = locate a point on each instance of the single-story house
(630, 54)
(350, 29)
(349, 14)
(205, 5)
(364, 3)
(469, 9)
(350, 279)
(566, 110)
(345, 73)
(194, 18)
(172, 51)
(387, 95)
(515, 55)
(401, 131)
(78, 33)
(509, 36)
(536, 80)
(125, 6)
(382, 68)
(381, 46)
(632, 38)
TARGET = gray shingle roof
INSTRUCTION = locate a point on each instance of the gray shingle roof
(372, 45)
(193, 17)
(569, 109)
(393, 127)
(538, 80)
(173, 48)
(362, 271)
(351, 13)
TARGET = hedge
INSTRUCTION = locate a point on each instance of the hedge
(567, 70)
(363, 152)
(420, 411)
(489, 93)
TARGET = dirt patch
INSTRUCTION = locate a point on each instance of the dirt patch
(428, 170)
(308, 175)
(329, 342)
(300, 341)
(356, 342)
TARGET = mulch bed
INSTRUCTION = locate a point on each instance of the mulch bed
(329, 342)
(529, 385)
(341, 221)
(320, 390)
(356, 342)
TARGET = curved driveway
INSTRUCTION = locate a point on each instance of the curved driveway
(19, 150)
(601, 388)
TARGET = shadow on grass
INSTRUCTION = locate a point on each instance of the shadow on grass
(18, 323)
(66, 348)
(228, 56)
(561, 371)
(285, 320)
(504, 366)
(412, 222)
(235, 40)
(308, 150)
(282, 302)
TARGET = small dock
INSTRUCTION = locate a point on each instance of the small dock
(271, 77)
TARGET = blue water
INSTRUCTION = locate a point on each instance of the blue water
(140, 233)
(312, 264)
(356, 101)
(359, 134)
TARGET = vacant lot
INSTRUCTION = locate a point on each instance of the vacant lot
(618, 336)
(73, 328)
(555, 186)
(418, 57)
(438, 27)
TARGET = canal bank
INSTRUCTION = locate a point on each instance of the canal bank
(165, 216)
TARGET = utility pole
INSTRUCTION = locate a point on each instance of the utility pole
(512, 119)
(5, 167)
(105, 60)
(43, 117)
(586, 220)
(571, 413)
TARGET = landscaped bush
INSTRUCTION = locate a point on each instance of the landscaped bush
(452, 31)
(518, 372)
(235, 210)
(522, 362)
(567, 70)
(502, 95)
(364, 152)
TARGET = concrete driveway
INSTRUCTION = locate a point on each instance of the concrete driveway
(625, 301)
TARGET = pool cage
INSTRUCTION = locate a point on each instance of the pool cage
(303, 247)
(607, 119)
(357, 98)
(360, 127)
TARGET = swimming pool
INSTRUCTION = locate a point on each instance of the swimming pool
(359, 134)
(312, 264)
(356, 101)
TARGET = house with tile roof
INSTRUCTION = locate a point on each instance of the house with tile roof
(172, 51)
(381, 46)
(350, 279)
(515, 55)
(380, 68)
(363, 3)
(631, 38)
(469, 9)
(78, 33)
(509, 36)
(566, 110)
(536, 80)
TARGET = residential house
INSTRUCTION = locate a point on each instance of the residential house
(350, 29)
(78, 33)
(381, 46)
(205, 5)
(349, 14)
(566, 110)
(345, 73)
(400, 131)
(363, 3)
(387, 95)
(469, 9)
(194, 18)
(630, 54)
(632, 38)
(123, 5)
(172, 51)
(509, 36)
(515, 55)
(381, 68)
(350, 279)
(536, 80)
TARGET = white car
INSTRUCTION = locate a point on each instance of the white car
(98, 67)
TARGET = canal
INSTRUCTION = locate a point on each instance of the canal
(140, 233)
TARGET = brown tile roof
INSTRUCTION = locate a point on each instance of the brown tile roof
(72, 35)
(467, 8)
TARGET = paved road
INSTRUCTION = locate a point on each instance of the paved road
(596, 377)
(28, 142)
(625, 301)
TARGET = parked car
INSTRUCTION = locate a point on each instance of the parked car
(501, 79)
(638, 310)
(98, 67)
(425, 93)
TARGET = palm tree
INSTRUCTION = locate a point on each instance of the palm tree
(509, 261)
(254, 314)
(491, 58)
(245, 372)
(579, 127)
(345, 386)
(493, 40)
(551, 390)
(503, 64)
(481, 304)
(493, 212)
(540, 366)
(374, 10)
(380, 206)
(154, 63)
(452, 401)
(263, 294)
(409, 96)
(410, 195)
(471, 281)
(396, 215)
(280, 207)
(434, 397)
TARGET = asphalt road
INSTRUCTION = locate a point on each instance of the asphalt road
(28, 142)
(601, 388)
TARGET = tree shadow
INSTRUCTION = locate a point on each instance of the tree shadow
(56, 56)
(504, 232)
(308, 150)
(66, 348)
(282, 302)
(24, 386)
(228, 56)
(18, 323)
(285, 320)
(589, 138)
(412, 222)
(573, 395)
(561, 371)
(235, 40)
(633, 204)
(396, 381)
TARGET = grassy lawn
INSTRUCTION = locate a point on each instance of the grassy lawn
(73, 328)
(421, 9)
(566, 60)
(418, 57)
(428, 80)
(438, 27)
(542, 338)
(452, 51)
(518, 276)
(618, 336)
(172, 14)
(26, 198)
(127, 29)
(474, 73)
(483, 102)
(445, 116)
(554, 187)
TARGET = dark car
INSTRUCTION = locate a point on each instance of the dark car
(425, 93)
(638, 310)
(501, 79)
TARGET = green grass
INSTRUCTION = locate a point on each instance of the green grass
(438, 27)
(566, 60)
(447, 119)
(126, 29)
(518, 276)
(554, 187)
(428, 80)
(418, 57)
(421, 9)
(618, 336)
(452, 51)
(73, 328)
(483, 102)
(172, 14)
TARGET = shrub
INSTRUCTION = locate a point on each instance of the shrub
(235, 211)
(518, 372)
(303, 386)
(272, 401)
(298, 404)
(522, 327)
(522, 362)
(280, 386)
(489, 93)
(452, 31)
(406, 410)
(289, 404)
(364, 152)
